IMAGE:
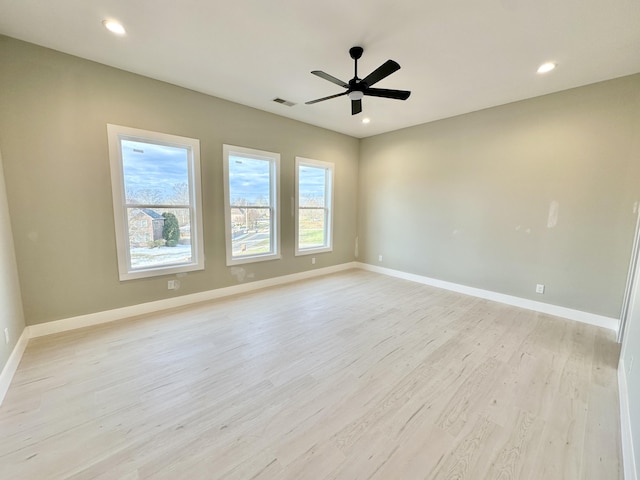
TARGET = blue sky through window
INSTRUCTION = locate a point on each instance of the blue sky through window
(312, 183)
(249, 179)
(152, 167)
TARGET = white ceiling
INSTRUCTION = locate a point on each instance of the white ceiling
(457, 56)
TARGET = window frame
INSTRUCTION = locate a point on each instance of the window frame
(274, 203)
(328, 206)
(115, 135)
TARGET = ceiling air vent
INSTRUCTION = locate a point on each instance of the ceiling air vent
(284, 102)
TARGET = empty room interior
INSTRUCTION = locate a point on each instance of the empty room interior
(291, 240)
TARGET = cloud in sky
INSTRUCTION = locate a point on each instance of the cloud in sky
(158, 168)
(248, 179)
(153, 167)
(312, 183)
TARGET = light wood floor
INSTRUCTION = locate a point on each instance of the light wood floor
(349, 376)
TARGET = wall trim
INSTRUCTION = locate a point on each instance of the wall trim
(628, 456)
(11, 366)
(97, 318)
(81, 321)
(580, 316)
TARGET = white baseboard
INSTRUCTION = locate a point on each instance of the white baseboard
(628, 456)
(11, 366)
(97, 318)
(584, 317)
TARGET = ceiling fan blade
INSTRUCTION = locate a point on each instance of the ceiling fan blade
(331, 78)
(325, 98)
(356, 107)
(385, 93)
(384, 70)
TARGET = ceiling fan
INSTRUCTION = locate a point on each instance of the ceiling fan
(357, 88)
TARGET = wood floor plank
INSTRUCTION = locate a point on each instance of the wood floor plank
(348, 376)
(515, 456)
(469, 456)
(560, 455)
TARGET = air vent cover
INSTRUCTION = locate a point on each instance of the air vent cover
(283, 102)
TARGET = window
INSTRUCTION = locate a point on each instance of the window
(155, 178)
(251, 204)
(314, 198)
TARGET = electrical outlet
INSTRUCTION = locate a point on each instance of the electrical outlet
(6, 335)
(173, 284)
(379, 258)
(313, 260)
(539, 288)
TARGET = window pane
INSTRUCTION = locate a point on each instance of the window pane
(251, 204)
(155, 174)
(311, 186)
(250, 194)
(251, 231)
(311, 223)
(314, 197)
(159, 236)
(249, 181)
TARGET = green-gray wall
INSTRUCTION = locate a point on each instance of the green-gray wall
(537, 191)
(54, 109)
(11, 316)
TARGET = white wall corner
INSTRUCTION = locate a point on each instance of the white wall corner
(628, 454)
(11, 366)
(555, 310)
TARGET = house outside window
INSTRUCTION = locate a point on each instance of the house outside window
(155, 180)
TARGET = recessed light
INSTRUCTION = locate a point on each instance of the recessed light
(114, 27)
(366, 120)
(546, 67)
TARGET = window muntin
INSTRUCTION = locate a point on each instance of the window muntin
(314, 198)
(251, 204)
(156, 198)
